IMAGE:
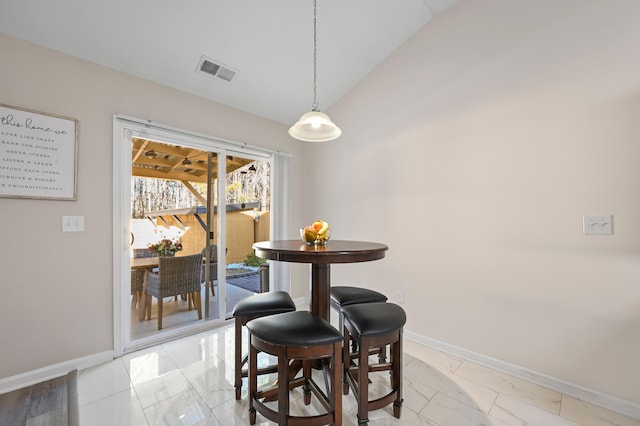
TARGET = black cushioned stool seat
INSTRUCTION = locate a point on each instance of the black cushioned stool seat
(252, 307)
(302, 336)
(373, 325)
(346, 295)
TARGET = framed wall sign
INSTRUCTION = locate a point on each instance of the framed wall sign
(38, 154)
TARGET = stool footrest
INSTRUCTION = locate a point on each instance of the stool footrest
(380, 351)
(383, 401)
(373, 404)
(268, 395)
(271, 394)
(264, 370)
(374, 368)
(318, 420)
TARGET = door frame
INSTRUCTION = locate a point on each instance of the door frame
(126, 127)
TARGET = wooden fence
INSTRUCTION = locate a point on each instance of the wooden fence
(242, 231)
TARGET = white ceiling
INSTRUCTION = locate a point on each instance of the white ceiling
(269, 43)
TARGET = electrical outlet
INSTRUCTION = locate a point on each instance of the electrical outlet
(597, 225)
(400, 297)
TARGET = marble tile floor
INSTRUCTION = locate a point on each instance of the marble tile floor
(176, 313)
(190, 382)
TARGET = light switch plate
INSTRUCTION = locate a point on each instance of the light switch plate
(597, 225)
(72, 223)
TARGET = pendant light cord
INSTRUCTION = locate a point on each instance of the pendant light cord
(314, 106)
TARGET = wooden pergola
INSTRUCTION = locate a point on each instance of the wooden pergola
(159, 160)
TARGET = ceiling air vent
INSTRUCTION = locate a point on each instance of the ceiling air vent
(216, 69)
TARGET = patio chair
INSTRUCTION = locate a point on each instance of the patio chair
(213, 265)
(175, 276)
(137, 281)
(137, 277)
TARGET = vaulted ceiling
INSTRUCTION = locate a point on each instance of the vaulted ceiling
(265, 48)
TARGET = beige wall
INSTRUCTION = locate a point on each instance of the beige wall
(57, 289)
(474, 151)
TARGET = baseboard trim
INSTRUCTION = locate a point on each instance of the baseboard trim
(29, 378)
(609, 402)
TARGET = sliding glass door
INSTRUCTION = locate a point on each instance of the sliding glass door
(174, 214)
(181, 200)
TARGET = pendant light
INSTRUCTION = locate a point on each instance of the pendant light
(315, 126)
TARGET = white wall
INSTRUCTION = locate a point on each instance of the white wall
(57, 302)
(473, 152)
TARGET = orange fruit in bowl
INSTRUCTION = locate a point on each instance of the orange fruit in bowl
(310, 234)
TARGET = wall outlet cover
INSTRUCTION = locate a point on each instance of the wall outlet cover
(597, 225)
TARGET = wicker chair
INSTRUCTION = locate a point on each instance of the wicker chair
(175, 276)
(137, 278)
(137, 282)
(213, 266)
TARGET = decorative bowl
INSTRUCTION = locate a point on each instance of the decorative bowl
(318, 241)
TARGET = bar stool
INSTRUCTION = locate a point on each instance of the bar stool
(373, 325)
(295, 336)
(252, 307)
(346, 295)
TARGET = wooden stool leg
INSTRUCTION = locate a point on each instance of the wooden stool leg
(382, 355)
(336, 398)
(306, 372)
(363, 382)
(346, 361)
(283, 388)
(396, 376)
(252, 376)
(238, 358)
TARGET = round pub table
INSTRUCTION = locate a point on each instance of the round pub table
(320, 257)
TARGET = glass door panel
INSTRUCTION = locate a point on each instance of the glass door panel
(174, 213)
(247, 196)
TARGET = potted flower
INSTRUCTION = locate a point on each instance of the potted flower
(166, 247)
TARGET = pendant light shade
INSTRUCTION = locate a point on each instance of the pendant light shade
(315, 126)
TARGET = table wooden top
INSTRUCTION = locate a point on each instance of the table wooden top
(144, 262)
(336, 251)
